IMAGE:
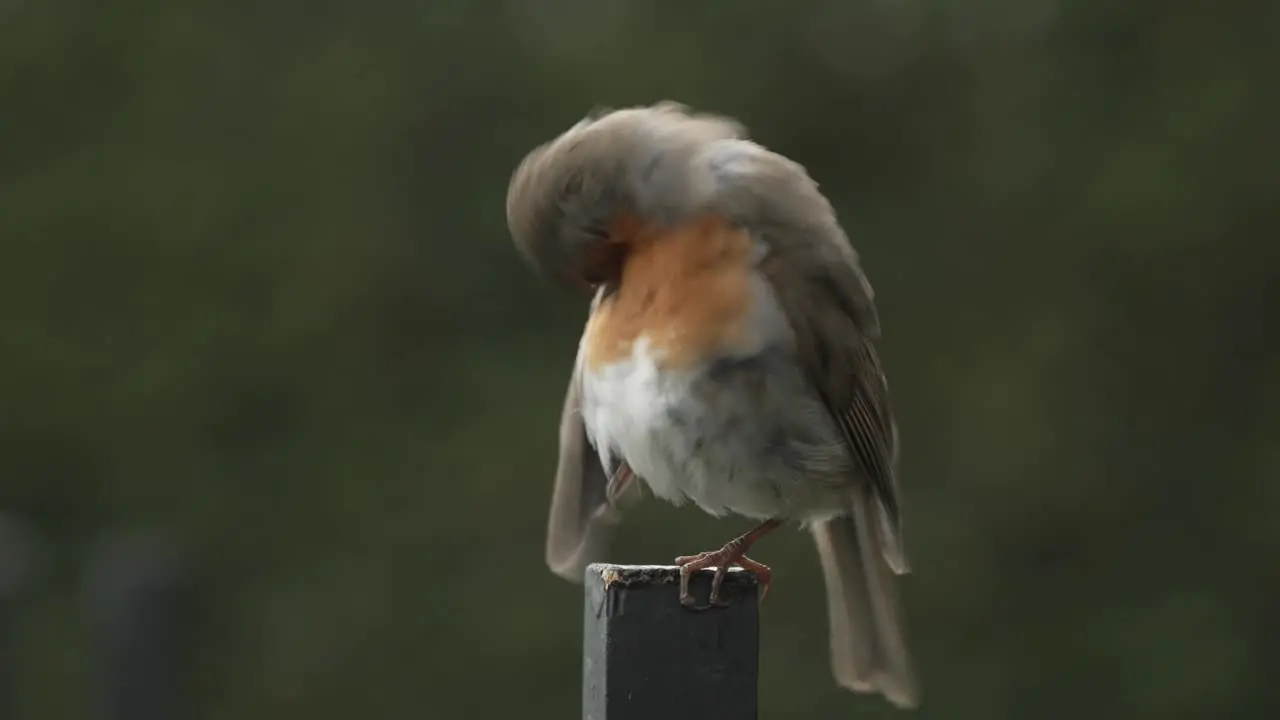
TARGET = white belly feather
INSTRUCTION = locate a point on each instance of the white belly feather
(735, 434)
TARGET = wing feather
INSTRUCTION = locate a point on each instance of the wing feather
(839, 357)
(581, 519)
(829, 304)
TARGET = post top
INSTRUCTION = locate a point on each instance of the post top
(632, 576)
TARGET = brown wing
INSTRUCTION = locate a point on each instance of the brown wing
(829, 303)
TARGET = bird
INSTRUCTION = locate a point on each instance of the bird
(728, 359)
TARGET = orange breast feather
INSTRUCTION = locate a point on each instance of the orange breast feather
(687, 290)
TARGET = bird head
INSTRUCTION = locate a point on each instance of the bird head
(574, 204)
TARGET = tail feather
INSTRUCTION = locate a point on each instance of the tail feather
(868, 643)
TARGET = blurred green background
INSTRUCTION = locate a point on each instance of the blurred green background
(257, 293)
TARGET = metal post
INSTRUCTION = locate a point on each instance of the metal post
(138, 605)
(647, 657)
(18, 556)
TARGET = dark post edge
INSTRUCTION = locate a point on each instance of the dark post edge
(138, 600)
(20, 558)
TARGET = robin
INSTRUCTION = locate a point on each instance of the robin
(728, 360)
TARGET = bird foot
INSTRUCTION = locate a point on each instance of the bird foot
(731, 555)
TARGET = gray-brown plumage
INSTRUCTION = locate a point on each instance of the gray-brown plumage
(593, 208)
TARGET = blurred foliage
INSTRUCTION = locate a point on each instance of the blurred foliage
(257, 290)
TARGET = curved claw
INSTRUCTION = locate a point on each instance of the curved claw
(721, 560)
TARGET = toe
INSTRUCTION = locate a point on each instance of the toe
(692, 559)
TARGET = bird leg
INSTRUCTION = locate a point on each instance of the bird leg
(734, 553)
(619, 481)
